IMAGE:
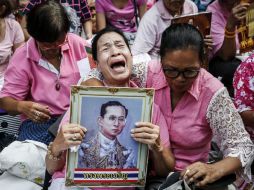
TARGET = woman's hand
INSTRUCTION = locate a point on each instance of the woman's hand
(68, 136)
(238, 13)
(147, 133)
(34, 111)
(208, 40)
(202, 174)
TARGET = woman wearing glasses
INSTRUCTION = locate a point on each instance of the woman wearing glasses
(41, 72)
(197, 109)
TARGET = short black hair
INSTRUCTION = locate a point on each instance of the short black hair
(106, 30)
(182, 36)
(112, 103)
(47, 21)
(10, 5)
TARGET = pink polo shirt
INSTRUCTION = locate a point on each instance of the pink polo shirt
(152, 25)
(30, 78)
(123, 19)
(219, 22)
(13, 36)
(189, 133)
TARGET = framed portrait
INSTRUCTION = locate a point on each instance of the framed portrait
(108, 156)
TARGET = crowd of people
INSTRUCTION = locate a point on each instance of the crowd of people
(43, 51)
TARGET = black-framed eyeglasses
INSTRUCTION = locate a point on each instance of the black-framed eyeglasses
(174, 73)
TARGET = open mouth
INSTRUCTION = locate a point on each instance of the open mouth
(118, 66)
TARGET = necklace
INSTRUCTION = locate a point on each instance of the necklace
(58, 86)
(57, 72)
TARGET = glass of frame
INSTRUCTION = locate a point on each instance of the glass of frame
(108, 156)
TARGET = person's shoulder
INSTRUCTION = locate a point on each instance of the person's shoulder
(191, 5)
(208, 83)
(247, 65)
(12, 23)
(155, 76)
(75, 38)
(153, 11)
(154, 66)
(213, 7)
(21, 52)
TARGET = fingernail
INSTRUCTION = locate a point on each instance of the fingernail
(132, 130)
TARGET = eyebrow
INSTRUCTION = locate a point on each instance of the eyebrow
(115, 42)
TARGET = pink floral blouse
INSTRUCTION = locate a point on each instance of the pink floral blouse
(244, 88)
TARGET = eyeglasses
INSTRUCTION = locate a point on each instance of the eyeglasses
(174, 73)
(44, 46)
(114, 118)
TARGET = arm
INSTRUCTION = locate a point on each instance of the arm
(88, 27)
(228, 48)
(142, 10)
(68, 136)
(164, 161)
(15, 46)
(100, 15)
(146, 36)
(100, 21)
(149, 134)
(18, 36)
(227, 126)
(248, 118)
(24, 29)
(210, 173)
(32, 110)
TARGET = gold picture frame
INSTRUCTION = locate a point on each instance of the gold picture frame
(124, 165)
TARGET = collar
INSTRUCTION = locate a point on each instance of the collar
(104, 141)
(163, 11)
(195, 89)
(159, 80)
(46, 65)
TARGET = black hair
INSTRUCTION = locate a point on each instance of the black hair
(101, 33)
(112, 103)
(47, 21)
(10, 5)
(180, 37)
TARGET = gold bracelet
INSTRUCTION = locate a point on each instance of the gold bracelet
(229, 36)
(229, 33)
(51, 155)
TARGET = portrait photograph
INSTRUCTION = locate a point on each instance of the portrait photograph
(108, 155)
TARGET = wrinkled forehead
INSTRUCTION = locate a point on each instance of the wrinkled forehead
(110, 38)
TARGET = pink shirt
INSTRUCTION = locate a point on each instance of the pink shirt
(13, 35)
(152, 25)
(122, 19)
(244, 89)
(28, 77)
(219, 21)
(189, 133)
